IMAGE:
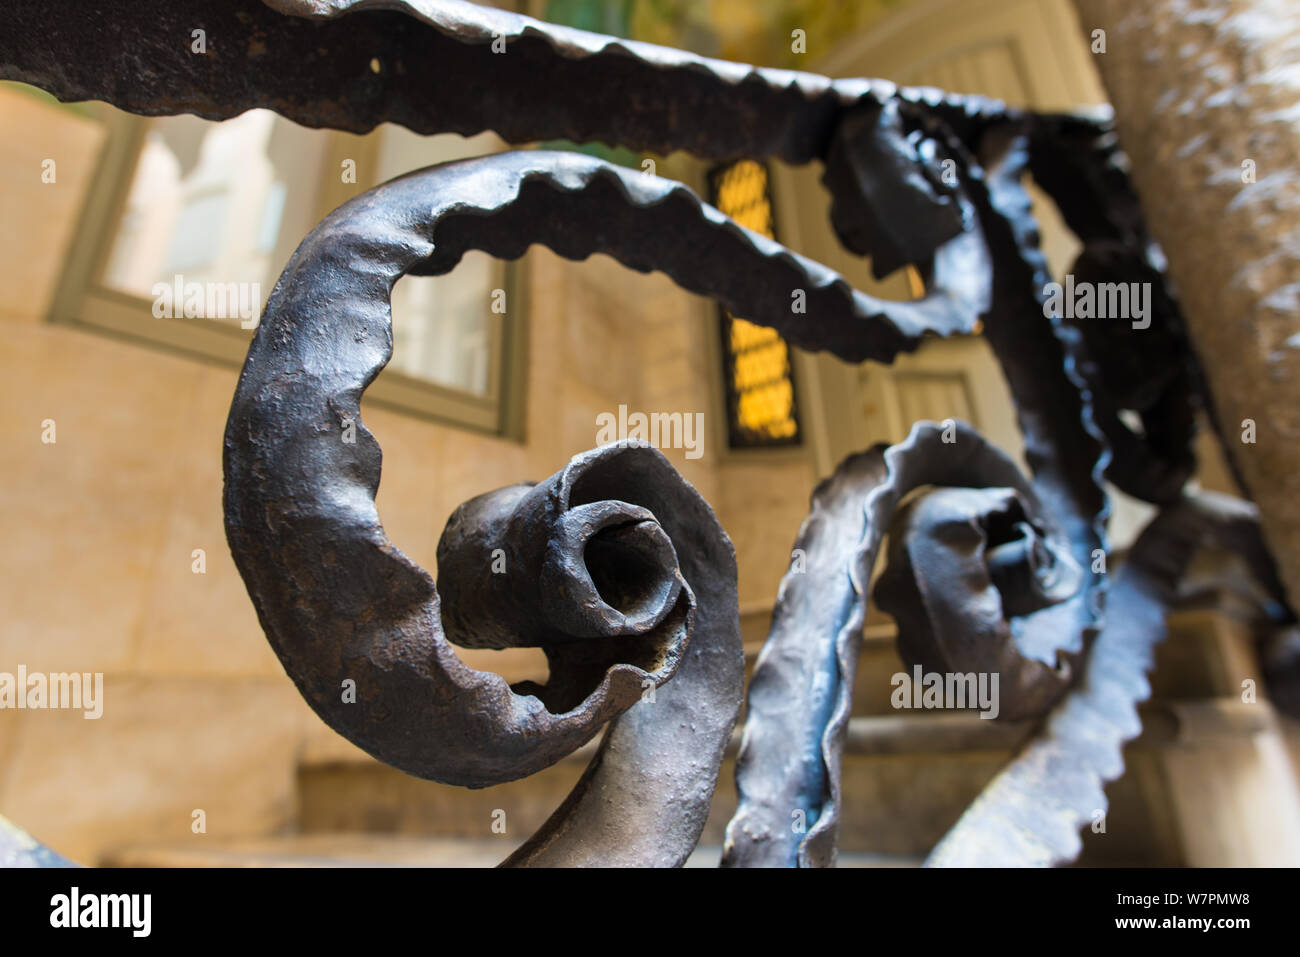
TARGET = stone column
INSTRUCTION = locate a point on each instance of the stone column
(1207, 102)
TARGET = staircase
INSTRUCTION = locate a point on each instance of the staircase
(907, 777)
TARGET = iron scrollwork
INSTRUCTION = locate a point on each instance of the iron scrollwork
(617, 568)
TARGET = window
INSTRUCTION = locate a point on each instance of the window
(192, 222)
(757, 372)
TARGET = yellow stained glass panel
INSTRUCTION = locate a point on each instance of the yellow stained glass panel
(758, 359)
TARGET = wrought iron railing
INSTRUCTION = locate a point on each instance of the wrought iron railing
(616, 567)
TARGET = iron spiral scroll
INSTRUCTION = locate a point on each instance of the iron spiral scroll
(615, 566)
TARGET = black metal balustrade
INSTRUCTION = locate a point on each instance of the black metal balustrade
(618, 570)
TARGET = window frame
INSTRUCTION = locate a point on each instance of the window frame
(83, 300)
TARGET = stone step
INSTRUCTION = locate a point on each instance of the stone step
(907, 778)
(318, 850)
(1207, 654)
(908, 775)
(378, 850)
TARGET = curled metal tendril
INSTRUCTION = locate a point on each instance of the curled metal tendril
(1031, 813)
(615, 567)
(794, 733)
